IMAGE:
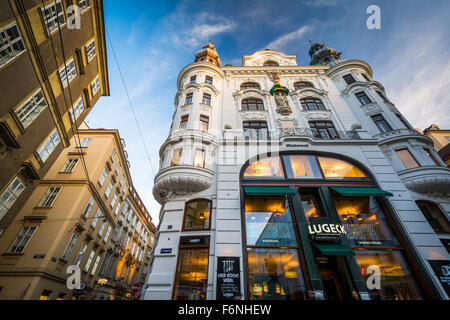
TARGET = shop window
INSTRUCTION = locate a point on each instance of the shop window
(252, 104)
(312, 104)
(407, 158)
(191, 278)
(435, 217)
(274, 274)
(197, 215)
(397, 280)
(268, 222)
(302, 85)
(265, 168)
(310, 206)
(301, 167)
(250, 85)
(256, 130)
(364, 222)
(339, 169)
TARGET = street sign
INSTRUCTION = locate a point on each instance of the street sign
(135, 287)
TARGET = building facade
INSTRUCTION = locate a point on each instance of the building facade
(51, 74)
(286, 181)
(441, 140)
(70, 220)
(127, 257)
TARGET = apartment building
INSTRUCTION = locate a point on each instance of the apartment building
(52, 73)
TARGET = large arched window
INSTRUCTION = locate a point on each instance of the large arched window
(435, 217)
(312, 104)
(252, 104)
(270, 63)
(288, 199)
(250, 85)
(302, 84)
(197, 215)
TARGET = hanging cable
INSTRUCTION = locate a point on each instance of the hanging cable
(130, 102)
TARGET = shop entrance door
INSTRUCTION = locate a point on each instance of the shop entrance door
(333, 280)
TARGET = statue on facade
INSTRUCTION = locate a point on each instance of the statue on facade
(280, 94)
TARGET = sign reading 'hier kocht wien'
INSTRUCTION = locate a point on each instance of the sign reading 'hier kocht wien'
(228, 278)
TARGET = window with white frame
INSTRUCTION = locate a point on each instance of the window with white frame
(88, 208)
(80, 254)
(85, 142)
(121, 180)
(49, 197)
(102, 228)
(95, 86)
(108, 232)
(69, 165)
(22, 240)
(10, 195)
(11, 43)
(113, 155)
(70, 245)
(103, 177)
(117, 208)
(114, 199)
(108, 190)
(84, 4)
(96, 217)
(49, 145)
(90, 50)
(89, 261)
(77, 109)
(119, 166)
(94, 268)
(67, 73)
(31, 108)
(53, 14)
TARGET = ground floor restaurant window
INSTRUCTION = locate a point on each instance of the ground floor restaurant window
(318, 228)
(191, 278)
(274, 271)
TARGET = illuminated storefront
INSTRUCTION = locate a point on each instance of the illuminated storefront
(315, 228)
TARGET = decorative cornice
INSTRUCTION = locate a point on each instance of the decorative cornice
(348, 64)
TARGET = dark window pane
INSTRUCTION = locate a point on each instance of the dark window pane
(198, 213)
(434, 216)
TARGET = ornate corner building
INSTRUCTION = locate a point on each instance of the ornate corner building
(286, 181)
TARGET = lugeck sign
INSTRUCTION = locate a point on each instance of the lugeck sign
(323, 229)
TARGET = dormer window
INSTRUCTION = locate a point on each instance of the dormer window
(250, 85)
(302, 84)
(270, 63)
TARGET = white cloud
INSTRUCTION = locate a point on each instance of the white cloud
(286, 38)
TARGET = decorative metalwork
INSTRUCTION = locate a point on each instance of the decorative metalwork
(307, 132)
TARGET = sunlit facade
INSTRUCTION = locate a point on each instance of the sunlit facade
(281, 181)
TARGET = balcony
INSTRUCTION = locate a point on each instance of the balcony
(306, 132)
(181, 180)
(433, 180)
(400, 134)
(179, 135)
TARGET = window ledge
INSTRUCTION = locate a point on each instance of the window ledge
(12, 254)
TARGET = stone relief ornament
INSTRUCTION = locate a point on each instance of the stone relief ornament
(280, 94)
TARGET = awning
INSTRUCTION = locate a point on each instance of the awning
(333, 249)
(361, 192)
(268, 191)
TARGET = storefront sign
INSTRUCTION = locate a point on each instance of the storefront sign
(442, 270)
(321, 229)
(228, 278)
(192, 241)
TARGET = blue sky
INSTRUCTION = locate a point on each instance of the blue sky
(154, 40)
